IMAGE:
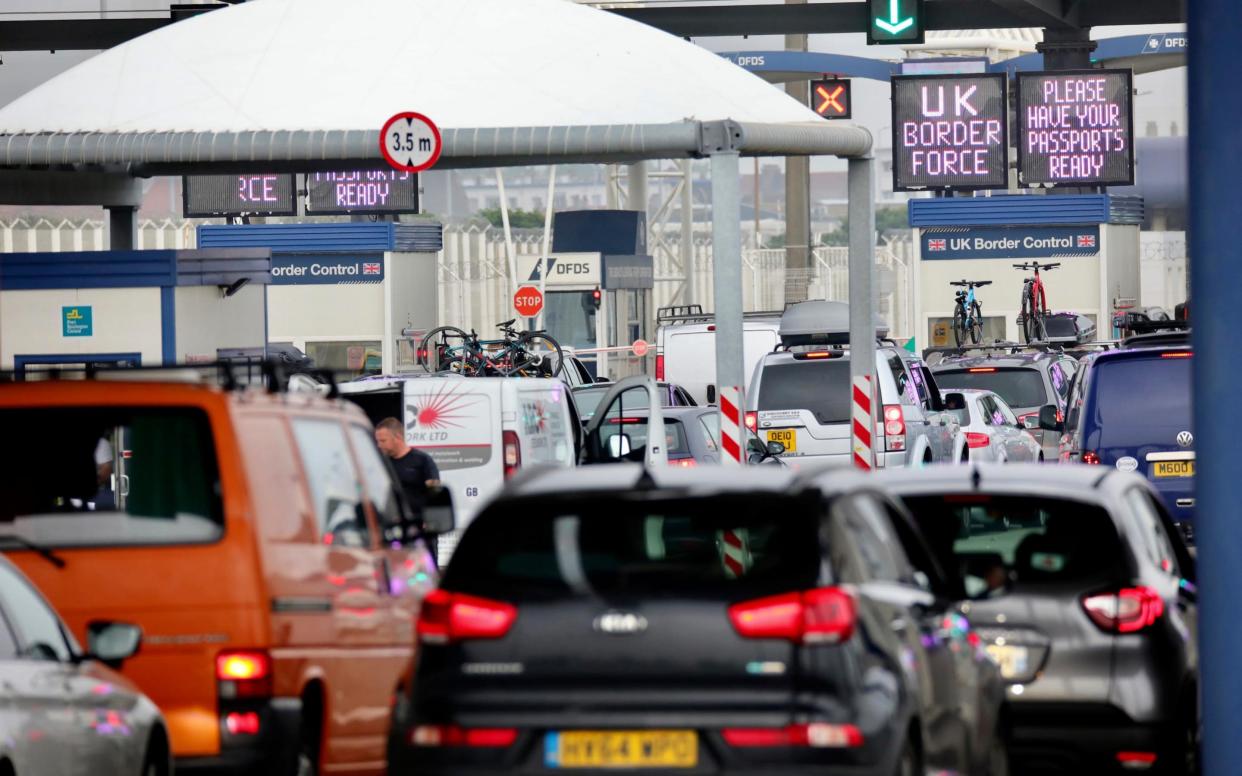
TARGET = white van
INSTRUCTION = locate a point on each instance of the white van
(479, 430)
(686, 347)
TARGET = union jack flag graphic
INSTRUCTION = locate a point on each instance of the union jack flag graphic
(1086, 241)
(370, 268)
(937, 245)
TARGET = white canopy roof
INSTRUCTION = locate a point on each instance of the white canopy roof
(330, 65)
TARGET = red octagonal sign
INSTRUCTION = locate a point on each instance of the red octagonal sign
(528, 301)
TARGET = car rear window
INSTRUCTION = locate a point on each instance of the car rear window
(821, 387)
(1020, 387)
(109, 476)
(736, 548)
(1164, 398)
(588, 399)
(1030, 542)
(636, 430)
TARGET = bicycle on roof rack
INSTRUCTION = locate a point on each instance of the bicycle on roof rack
(967, 311)
(1034, 303)
(516, 354)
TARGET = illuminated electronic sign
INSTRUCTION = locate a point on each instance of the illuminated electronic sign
(361, 191)
(205, 196)
(950, 132)
(830, 98)
(895, 21)
(1076, 128)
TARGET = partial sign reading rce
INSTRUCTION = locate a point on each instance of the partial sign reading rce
(1076, 128)
(950, 132)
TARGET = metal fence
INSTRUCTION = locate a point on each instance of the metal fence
(34, 234)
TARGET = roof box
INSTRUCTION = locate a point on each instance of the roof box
(820, 322)
(1068, 328)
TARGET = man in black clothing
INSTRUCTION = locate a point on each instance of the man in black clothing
(416, 470)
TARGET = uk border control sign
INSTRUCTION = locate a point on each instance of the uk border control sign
(950, 132)
(1076, 128)
(410, 142)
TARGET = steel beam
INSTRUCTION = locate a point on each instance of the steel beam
(1215, 168)
(28, 187)
(1041, 13)
(727, 283)
(860, 181)
(87, 34)
(122, 228)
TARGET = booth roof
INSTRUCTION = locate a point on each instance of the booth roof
(271, 65)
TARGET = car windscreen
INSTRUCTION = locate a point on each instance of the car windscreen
(588, 399)
(733, 547)
(1164, 399)
(109, 476)
(1029, 543)
(821, 387)
(636, 429)
(1020, 387)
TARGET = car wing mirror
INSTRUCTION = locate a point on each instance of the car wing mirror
(619, 445)
(1048, 419)
(711, 394)
(776, 448)
(112, 643)
(438, 515)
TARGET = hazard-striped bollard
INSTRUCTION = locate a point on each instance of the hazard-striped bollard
(732, 439)
(863, 425)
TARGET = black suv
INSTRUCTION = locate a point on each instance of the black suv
(693, 622)
(1027, 380)
(1083, 592)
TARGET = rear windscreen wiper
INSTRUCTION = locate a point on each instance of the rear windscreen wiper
(43, 552)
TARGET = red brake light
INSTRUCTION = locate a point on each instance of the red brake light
(752, 420)
(452, 735)
(823, 615)
(815, 354)
(1091, 457)
(1127, 611)
(976, 440)
(241, 666)
(977, 369)
(242, 723)
(448, 617)
(1136, 760)
(819, 735)
(685, 463)
(513, 452)
(1176, 354)
(894, 427)
(660, 366)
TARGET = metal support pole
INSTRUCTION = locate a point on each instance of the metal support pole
(636, 184)
(727, 284)
(687, 231)
(1215, 166)
(861, 182)
(122, 228)
(797, 194)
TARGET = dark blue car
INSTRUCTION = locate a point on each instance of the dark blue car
(1131, 409)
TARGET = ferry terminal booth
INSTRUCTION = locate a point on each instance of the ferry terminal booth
(1095, 237)
(130, 308)
(599, 287)
(343, 293)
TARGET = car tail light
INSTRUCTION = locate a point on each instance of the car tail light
(825, 615)
(513, 452)
(452, 735)
(660, 366)
(448, 617)
(752, 420)
(819, 735)
(1126, 611)
(685, 463)
(979, 369)
(244, 674)
(975, 440)
(817, 354)
(894, 427)
(1091, 457)
(242, 723)
(1136, 761)
(1178, 354)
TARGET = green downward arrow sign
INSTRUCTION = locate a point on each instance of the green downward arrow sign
(894, 25)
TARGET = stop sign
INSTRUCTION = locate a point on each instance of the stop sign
(528, 301)
(640, 348)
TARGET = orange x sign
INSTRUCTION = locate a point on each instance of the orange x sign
(828, 100)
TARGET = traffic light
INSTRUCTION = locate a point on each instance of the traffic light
(895, 21)
(597, 297)
(830, 98)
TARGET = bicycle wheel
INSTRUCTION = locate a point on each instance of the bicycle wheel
(434, 349)
(976, 323)
(1028, 315)
(959, 326)
(1038, 332)
(540, 356)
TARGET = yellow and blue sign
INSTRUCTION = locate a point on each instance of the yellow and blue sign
(76, 321)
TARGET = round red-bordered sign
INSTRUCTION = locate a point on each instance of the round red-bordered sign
(410, 142)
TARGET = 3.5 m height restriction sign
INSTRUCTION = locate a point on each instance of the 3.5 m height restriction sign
(410, 141)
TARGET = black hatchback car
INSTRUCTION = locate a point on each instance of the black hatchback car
(700, 621)
(1083, 592)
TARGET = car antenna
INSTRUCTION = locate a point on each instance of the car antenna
(975, 477)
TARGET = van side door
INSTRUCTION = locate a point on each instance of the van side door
(607, 440)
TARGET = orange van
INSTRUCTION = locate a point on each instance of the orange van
(259, 540)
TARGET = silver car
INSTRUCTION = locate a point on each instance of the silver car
(993, 433)
(66, 712)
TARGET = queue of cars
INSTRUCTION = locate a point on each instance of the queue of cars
(245, 559)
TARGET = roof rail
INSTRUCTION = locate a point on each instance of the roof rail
(693, 313)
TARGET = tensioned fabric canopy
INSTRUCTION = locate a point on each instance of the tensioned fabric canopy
(509, 82)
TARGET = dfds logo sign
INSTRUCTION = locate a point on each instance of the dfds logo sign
(565, 269)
